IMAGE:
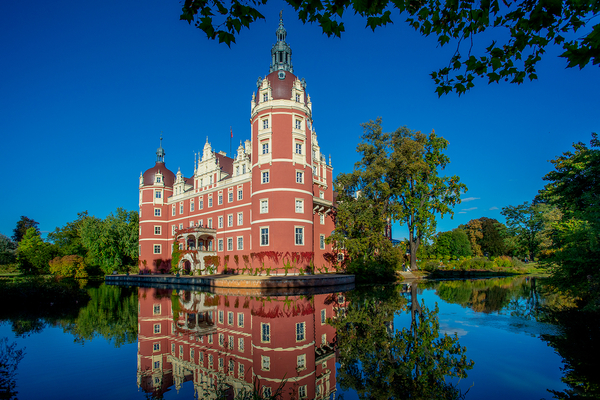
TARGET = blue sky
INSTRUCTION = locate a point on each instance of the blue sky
(88, 87)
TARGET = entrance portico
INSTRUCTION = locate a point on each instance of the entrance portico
(195, 243)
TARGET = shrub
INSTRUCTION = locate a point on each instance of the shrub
(69, 266)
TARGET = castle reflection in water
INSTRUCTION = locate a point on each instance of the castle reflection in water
(230, 343)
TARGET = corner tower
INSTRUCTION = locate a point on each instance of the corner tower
(289, 175)
(156, 186)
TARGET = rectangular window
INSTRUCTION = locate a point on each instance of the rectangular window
(180, 208)
(210, 360)
(221, 364)
(240, 219)
(156, 309)
(241, 344)
(156, 364)
(321, 195)
(157, 249)
(201, 204)
(240, 243)
(220, 244)
(180, 226)
(173, 210)
(230, 197)
(299, 177)
(265, 124)
(266, 363)
(156, 328)
(209, 222)
(265, 177)
(231, 367)
(230, 220)
(323, 316)
(180, 351)
(322, 219)
(157, 230)
(302, 392)
(265, 97)
(240, 370)
(158, 194)
(230, 317)
(191, 205)
(301, 362)
(210, 340)
(324, 338)
(173, 229)
(241, 320)
(298, 124)
(264, 206)
(297, 98)
(264, 236)
(220, 199)
(229, 244)
(265, 148)
(210, 201)
(300, 330)
(299, 236)
(322, 242)
(299, 206)
(231, 343)
(265, 332)
(173, 348)
(240, 194)
(156, 347)
(221, 339)
(220, 222)
(157, 212)
(221, 316)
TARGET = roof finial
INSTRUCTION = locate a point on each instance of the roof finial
(160, 152)
(281, 53)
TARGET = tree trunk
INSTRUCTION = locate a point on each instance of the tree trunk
(414, 245)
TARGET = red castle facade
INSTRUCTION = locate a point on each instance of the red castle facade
(267, 205)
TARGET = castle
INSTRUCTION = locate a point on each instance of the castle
(266, 206)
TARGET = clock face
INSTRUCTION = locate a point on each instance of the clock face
(281, 75)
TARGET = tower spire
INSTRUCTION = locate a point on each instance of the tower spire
(281, 52)
(160, 152)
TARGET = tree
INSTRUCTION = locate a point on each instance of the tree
(397, 179)
(452, 244)
(574, 187)
(525, 221)
(22, 226)
(112, 243)
(33, 254)
(525, 29)
(474, 231)
(68, 238)
(492, 240)
(8, 250)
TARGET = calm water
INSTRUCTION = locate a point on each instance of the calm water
(375, 342)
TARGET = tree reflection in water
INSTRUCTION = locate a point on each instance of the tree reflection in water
(382, 363)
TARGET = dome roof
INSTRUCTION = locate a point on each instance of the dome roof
(168, 176)
(281, 88)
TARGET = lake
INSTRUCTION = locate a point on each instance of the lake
(372, 342)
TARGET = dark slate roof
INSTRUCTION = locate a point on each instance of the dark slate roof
(169, 177)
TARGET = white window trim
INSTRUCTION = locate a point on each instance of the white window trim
(154, 247)
(268, 236)
(238, 243)
(261, 203)
(303, 233)
(296, 206)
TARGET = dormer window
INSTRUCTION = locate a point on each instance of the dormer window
(158, 179)
(297, 98)
(265, 97)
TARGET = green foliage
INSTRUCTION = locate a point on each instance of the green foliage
(397, 179)
(112, 243)
(33, 254)
(69, 266)
(8, 250)
(23, 225)
(526, 223)
(527, 28)
(68, 238)
(175, 257)
(452, 244)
